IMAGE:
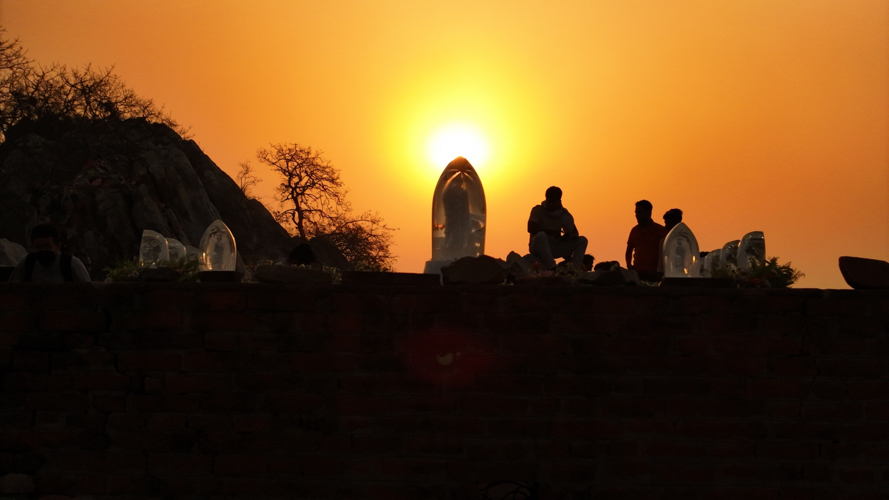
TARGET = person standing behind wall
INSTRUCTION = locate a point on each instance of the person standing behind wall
(47, 263)
(671, 218)
(643, 245)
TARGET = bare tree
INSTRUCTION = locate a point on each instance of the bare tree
(247, 178)
(29, 91)
(365, 241)
(311, 193)
(313, 203)
(15, 69)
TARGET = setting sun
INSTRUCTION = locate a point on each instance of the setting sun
(456, 140)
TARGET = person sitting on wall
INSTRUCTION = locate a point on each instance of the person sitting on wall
(643, 245)
(47, 263)
(553, 233)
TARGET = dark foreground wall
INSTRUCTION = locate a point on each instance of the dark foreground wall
(348, 392)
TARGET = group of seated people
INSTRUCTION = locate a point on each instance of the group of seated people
(553, 234)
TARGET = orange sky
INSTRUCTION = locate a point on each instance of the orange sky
(748, 115)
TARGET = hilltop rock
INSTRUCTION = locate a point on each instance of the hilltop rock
(482, 270)
(105, 182)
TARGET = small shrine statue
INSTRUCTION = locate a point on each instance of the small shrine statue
(458, 215)
(710, 261)
(153, 248)
(218, 250)
(751, 249)
(680, 252)
(729, 254)
(176, 249)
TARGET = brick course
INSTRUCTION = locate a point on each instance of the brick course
(268, 391)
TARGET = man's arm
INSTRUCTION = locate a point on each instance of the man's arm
(570, 230)
(534, 227)
(629, 255)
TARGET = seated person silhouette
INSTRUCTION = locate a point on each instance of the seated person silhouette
(47, 263)
(643, 245)
(553, 233)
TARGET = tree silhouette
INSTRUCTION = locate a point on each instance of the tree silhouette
(313, 204)
(30, 91)
(247, 178)
(14, 70)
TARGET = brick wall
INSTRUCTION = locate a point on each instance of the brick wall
(351, 392)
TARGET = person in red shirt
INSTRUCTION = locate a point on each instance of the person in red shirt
(643, 246)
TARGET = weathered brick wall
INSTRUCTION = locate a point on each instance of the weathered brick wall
(348, 392)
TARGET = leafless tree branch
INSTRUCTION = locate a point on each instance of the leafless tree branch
(313, 203)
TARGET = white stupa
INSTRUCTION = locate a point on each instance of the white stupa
(458, 216)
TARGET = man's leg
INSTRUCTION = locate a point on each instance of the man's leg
(539, 247)
(579, 250)
(571, 249)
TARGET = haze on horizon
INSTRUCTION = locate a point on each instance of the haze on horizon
(768, 115)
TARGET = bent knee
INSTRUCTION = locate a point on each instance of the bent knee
(540, 236)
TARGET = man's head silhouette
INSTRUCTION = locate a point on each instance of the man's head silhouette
(643, 211)
(671, 218)
(553, 198)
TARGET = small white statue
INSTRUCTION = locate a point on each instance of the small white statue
(680, 252)
(711, 260)
(751, 249)
(218, 250)
(153, 248)
(175, 248)
(729, 254)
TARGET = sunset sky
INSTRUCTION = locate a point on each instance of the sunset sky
(748, 115)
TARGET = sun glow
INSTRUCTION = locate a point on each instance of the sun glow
(457, 139)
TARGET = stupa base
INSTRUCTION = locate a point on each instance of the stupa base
(434, 266)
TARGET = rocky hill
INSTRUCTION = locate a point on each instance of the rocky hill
(106, 181)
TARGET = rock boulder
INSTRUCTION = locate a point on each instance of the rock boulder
(11, 253)
(483, 270)
(865, 274)
(104, 182)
